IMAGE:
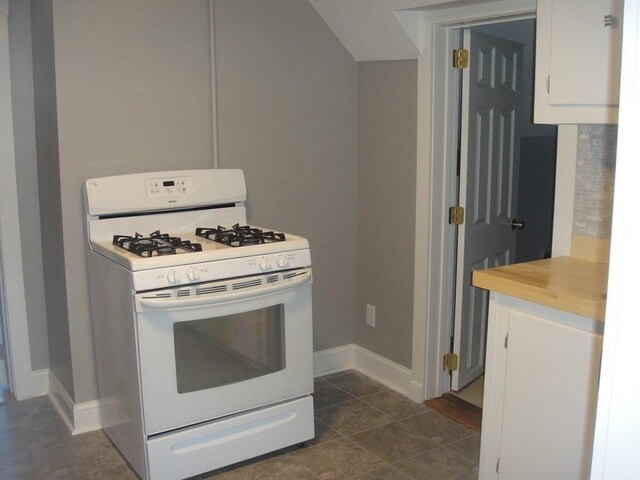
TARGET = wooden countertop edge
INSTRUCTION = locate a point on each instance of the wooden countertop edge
(527, 283)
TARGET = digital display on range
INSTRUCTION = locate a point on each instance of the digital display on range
(169, 186)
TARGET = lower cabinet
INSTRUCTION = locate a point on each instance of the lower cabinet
(541, 386)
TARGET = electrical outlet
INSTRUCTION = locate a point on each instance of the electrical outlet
(371, 315)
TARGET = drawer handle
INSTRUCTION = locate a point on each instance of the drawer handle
(233, 433)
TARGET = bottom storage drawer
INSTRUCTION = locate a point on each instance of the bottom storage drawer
(195, 450)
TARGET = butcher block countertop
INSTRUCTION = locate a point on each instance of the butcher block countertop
(566, 283)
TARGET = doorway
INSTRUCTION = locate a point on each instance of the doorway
(533, 199)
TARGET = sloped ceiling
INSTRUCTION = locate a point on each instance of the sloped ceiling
(377, 29)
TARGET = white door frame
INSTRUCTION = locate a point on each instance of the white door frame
(615, 450)
(15, 308)
(436, 184)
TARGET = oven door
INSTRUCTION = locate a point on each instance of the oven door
(215, 349)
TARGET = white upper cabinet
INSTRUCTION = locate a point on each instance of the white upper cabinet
(577, 61)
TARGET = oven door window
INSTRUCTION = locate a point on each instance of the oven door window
(218, 351)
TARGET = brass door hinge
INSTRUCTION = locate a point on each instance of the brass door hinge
(450, 362)
(460, 58)
(456, 215)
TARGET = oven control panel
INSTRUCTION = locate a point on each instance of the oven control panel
(220, 269)
(169, 186)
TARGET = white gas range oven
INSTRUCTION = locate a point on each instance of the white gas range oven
(202, 324)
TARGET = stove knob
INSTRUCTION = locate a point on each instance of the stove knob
(193, 274)
(173, 276)
(264, 263)
(283, 261)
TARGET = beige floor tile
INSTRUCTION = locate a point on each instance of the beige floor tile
(81, 454)
(393, 441)
(382, 425)
(31, 412)
(326, 394)
(438, 428)
(395, 405)
(118, 472)
(85, 453)
(385, 473)
(467, 447)
(23, 438)
(438, 464)
(352, 417)
(336, 460)
(355, 383)
(324, 433)
(281, 468)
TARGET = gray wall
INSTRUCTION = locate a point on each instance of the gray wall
(27, 178)
(387, 119)
(132, 90)
(125, 87)
(287, 116)
(50, 195)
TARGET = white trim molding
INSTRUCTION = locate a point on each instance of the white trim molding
(351, 356)
(615, 448)
(85, 417)
(567, 150)
(40, 382)
(332, 360)
(389, 373)
(11, 274)
(79, 417)
(436, 182)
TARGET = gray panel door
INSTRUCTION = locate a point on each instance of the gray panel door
(488, 186)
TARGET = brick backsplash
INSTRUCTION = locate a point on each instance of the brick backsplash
(594, 180)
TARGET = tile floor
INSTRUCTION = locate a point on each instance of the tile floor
(364, 431)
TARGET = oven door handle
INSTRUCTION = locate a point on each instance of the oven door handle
(211, 299)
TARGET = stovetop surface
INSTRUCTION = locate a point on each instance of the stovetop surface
(160, 243)
(177, 203)
(181, 224)
(211, 251)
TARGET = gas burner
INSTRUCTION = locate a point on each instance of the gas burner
(239, 235)
(155, 244)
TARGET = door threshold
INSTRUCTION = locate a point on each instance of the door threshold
(473, 392)
(457, 409)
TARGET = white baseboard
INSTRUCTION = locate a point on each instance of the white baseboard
(85, 417)
(61, 400)
(332, 360)
(390, 374)
(79, 417)
(352, 356)
(40, 382)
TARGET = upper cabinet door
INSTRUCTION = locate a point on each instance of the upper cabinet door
(577, 61)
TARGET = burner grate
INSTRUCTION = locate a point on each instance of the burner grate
(239, 235)
(155, 244)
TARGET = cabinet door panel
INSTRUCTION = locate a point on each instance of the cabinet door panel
(577, 61)
(549, 400)
(585, 52)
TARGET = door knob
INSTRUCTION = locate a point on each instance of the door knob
(517, 225)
